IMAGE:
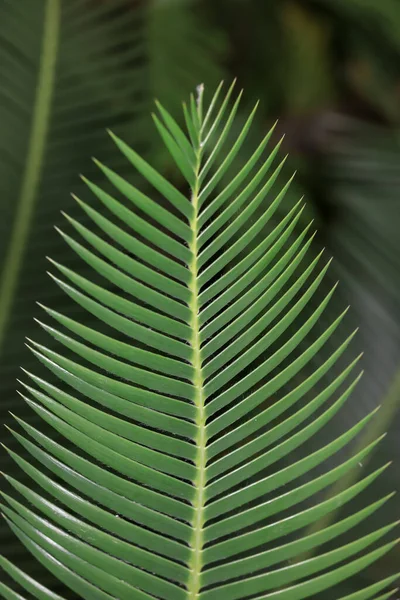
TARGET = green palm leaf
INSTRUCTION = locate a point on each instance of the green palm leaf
(177, 408)
(69, 69)
(64, 78)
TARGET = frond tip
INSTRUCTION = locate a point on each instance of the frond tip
(187, 408)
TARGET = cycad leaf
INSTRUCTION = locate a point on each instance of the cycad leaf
(178, 407)
(68, 69)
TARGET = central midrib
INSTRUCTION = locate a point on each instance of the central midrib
(194, 584)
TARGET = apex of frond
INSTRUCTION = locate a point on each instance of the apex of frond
(200, 91)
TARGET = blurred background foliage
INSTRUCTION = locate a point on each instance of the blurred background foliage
(329, 70)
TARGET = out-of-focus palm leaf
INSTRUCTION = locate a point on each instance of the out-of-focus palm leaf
(61, 82)
(367, 38)
(363, 176)
(68, 69)
(378, 18)
(359, 220)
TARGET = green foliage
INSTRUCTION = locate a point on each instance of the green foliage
(61, 85)
(311, 62)
(68, 70)
(169, 482)
(175, 25)
(183, 48)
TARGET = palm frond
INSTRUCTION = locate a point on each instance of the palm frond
(170, 482)
(64, 77)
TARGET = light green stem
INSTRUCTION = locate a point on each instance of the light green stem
(34, 163)
(194, 584)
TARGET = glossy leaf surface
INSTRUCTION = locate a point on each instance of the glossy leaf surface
(182, 410)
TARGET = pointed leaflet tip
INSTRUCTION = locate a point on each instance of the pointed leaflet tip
(333, 289)
(29, 374)
(346, 310)
(373, 412)
(70, 220)
(41, 324)
(25, 385)
(115, 138)
(31, 348)
(200, 90)
(392, 494)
